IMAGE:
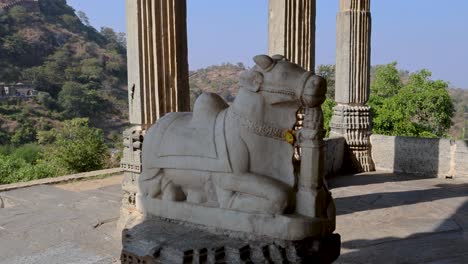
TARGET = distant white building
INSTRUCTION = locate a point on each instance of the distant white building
(17, 90)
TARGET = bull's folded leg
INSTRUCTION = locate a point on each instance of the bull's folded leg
(253, 204)
(172, 192)
(251, 193)
(196, 196)
(151, 187)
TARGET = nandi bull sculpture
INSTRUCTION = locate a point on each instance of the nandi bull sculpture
(232, 167)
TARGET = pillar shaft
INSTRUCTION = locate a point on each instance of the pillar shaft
(157, 79)
(353, 52)
(352, 118)
(292, 31)
(157, 59)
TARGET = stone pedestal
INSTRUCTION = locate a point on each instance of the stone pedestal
(161, 241)
(352, 118)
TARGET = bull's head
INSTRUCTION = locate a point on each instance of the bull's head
(280, 81)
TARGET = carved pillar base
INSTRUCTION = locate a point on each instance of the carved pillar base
(354, 124)
(158, 241)
(131, 163)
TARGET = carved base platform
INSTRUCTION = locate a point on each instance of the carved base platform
(285, 227)
(159, 241)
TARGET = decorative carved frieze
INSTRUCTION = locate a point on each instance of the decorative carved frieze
(354, 124)
(133, 141)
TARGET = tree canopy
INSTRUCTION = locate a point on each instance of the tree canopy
(421, 107)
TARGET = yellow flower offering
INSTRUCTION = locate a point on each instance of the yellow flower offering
(290, 137)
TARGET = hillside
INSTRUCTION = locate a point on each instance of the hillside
(78, 71)
(459, 129)
(223, 80)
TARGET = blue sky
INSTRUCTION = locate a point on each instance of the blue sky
(431, 34)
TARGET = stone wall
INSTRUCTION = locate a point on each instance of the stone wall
(425, 157)
(334, 154)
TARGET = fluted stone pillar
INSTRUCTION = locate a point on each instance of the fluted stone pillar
(352, 118)
(157, 77)
(291, 31)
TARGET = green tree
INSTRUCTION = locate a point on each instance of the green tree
(385, 83)
(328, 72)
(79, 147)
(83, 18)
(19, 14)
(77, 101)
(24, 135)
(420, 108)
(327, 108)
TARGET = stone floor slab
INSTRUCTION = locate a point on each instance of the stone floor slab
(381, 217)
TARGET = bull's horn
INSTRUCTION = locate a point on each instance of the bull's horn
(265, 62)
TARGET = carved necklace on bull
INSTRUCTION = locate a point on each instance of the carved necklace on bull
(269, 130)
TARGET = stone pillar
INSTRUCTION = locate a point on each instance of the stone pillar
(352, 118)
(291, 31)
(157, 77)
(313, 197)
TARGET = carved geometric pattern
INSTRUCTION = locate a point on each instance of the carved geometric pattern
(354, 124)
(251, 254)
(160, 241)
(264, 130)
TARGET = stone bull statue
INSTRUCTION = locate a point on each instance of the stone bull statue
(236, 157)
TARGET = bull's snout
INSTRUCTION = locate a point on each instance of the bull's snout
(314, 91)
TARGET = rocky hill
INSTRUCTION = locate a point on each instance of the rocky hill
(224, 80)
(459, 128)
(221, 79)
(78, 71)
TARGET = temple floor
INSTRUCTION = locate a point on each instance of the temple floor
(385, 218)
(382, 218)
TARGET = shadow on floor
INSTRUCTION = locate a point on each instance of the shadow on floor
(371, 178)
(373, 201)
(430, 247)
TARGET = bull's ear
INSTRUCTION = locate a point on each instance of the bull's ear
(251, 80)
(265, 62)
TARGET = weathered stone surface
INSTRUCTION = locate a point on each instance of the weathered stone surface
(159, 241)
(66, 223)
(354, 124)
(353, 52)
(157, 77)
(157, 59)
(423, 156)
(351, 118)
(334, 154)
(61, 179)
(209, 167)
(387, 218)
(286, 227)
(291, 31)
(461, 159)
(381, 218)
